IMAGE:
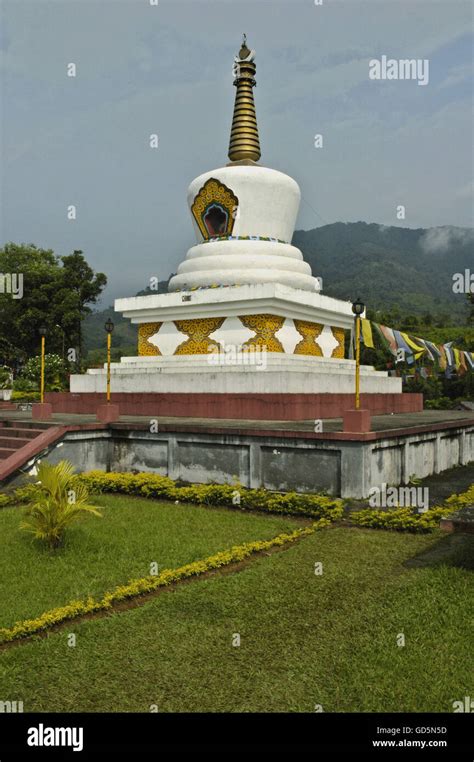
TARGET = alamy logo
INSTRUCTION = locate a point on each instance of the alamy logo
(463, 283)
(234, 354)
(11, 707)
(405, 68)
(467, 705)
(46, 736)
(12, 283)
(399, 497)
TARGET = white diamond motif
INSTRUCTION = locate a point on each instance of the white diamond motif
(326, 341)
(167, 338)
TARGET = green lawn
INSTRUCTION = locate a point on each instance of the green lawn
(305, 639)
(100, 553)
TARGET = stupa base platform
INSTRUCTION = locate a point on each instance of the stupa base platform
(252, 373)
(276, 455)
(250, 406)
(272, 386)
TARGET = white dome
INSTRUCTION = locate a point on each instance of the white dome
(268, 200)
(255, 202)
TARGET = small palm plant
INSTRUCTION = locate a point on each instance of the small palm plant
(59, 500)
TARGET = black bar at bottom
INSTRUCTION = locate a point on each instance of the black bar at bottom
(83, 736)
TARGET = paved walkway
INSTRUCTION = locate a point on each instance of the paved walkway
(379, 423)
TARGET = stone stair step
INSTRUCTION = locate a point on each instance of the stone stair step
(5, 452)
(7, 431)
(38, 426)
(13, 442)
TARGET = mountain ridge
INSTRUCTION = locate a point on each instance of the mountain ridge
(386, 266)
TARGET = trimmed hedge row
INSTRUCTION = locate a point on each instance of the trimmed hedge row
(148, 584)
(400, 519)
(235, 496)
(406, 519)
(18, 496)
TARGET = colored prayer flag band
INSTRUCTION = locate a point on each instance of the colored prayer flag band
(412, 348)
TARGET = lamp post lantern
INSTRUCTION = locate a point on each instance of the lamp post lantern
(358, 308)
(42, 332)
(109, 327)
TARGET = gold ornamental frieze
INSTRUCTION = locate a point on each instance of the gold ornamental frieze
(198, 332)
(310, 332)
(265, 327)
(145, 332)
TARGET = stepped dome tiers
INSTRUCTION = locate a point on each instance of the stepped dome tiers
(244, 215)
(245, 238)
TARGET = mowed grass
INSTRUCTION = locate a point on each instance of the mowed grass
(306, 639)
(100, 553)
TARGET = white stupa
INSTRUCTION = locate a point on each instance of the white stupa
(243, 300)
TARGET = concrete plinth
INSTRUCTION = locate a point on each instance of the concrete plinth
(108, 413)
(345, 464)
(271, 406)
(41, 411)
(356, 421)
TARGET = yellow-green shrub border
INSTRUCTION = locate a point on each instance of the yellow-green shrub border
(406, 519)
(148, 584)
(163, 488)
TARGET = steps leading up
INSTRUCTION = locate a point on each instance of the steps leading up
(16, 434)
(14, 442)
(22, 440)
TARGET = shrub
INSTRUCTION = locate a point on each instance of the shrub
(431, 387)
(20, 495)
(54, 373)
(462, 500)
(407, 519)
(58, 500)
(236, 496)
(400, 519)
(403, 519)
(25, 396)
(442, 403)
(24, 385)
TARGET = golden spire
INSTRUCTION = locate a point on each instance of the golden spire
(244, 142)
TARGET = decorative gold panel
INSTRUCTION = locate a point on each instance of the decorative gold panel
(265, 327)
(145, 330)
(310, 332)
(338, 334)
(215, 192)
(198, 331)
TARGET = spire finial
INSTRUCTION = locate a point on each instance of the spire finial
(244, 142)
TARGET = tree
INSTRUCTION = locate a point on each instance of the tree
(56, 292)
(80, 287)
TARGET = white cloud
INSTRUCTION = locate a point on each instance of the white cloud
(438, 240)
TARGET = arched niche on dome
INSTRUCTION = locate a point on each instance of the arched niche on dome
(214, 208)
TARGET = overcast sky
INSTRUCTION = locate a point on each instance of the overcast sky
(167, 69)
